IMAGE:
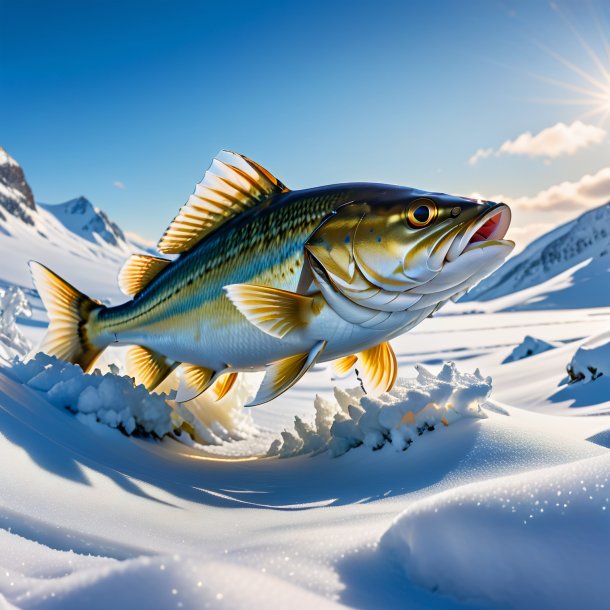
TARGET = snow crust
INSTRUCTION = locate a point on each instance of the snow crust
(399, 417)
(592, 359)
(109, 399)
(530, 346)
(532, 540)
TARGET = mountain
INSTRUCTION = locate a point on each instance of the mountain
(75, 239)
(565, 268)
(82, 218)
(16, 198)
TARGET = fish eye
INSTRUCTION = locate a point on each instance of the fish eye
(421, 213)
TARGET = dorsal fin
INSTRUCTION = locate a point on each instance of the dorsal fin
(232, 184)
(138, 271)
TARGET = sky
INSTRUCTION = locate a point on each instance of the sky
(128, 102)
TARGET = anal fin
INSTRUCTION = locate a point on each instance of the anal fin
(193, 381)
(377, 367)
(283, 374)
(223, 385)
(147, 367)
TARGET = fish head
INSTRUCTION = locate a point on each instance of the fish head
(406, 241)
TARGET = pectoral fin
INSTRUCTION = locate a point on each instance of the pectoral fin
(283, 374)
(377, 367)
(147, 367)
(193, 381)
(274, 311)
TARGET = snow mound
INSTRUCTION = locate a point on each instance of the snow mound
(412, 407)
(533, 540)
(530, 346)
(592, 359)
(13, 343)
(108, 399)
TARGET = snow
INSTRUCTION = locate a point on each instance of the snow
(592, 359)
(579, 249)
(108, 399)
(530, 346)
(90, 517)
(399, 417)
(525, 541)
(13, 343)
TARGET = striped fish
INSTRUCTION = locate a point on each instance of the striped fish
(272, 279)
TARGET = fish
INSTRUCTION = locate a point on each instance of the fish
(271, 279)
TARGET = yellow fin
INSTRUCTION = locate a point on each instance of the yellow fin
(343, 365)
(147, 366)
(283, 374)
(223, 385)
(378, 368)
(138, 271)
(194, 380)
(232, 184)
(274, 311)
(68, 335)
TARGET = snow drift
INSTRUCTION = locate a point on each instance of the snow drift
(530, 540)
(412, 407)
(108, 399)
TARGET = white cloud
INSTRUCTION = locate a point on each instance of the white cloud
(119, 184)
(482, 153)
(560, 139)
(590, 191)
(535, 214)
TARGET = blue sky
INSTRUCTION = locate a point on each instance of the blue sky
(145, 93)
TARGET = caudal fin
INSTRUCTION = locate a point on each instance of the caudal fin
(68, 310)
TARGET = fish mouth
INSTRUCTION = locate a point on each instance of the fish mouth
(490, 227)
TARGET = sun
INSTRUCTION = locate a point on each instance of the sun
(594, 87)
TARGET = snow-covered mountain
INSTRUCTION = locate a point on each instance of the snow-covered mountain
(567, 267)
(16, 198)
(75, 239)
(89, 222)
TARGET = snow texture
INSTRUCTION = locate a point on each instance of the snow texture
(108, 399)
(530, 346)
(13, 304)
(412, 407)
(592, 359)
(525, 541)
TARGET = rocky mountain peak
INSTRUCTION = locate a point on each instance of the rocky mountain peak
(16, 198)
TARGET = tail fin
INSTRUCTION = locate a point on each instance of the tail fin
(68, 311)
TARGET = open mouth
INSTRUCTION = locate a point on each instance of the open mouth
(491, 226)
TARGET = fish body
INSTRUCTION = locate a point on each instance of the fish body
(272, 279)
